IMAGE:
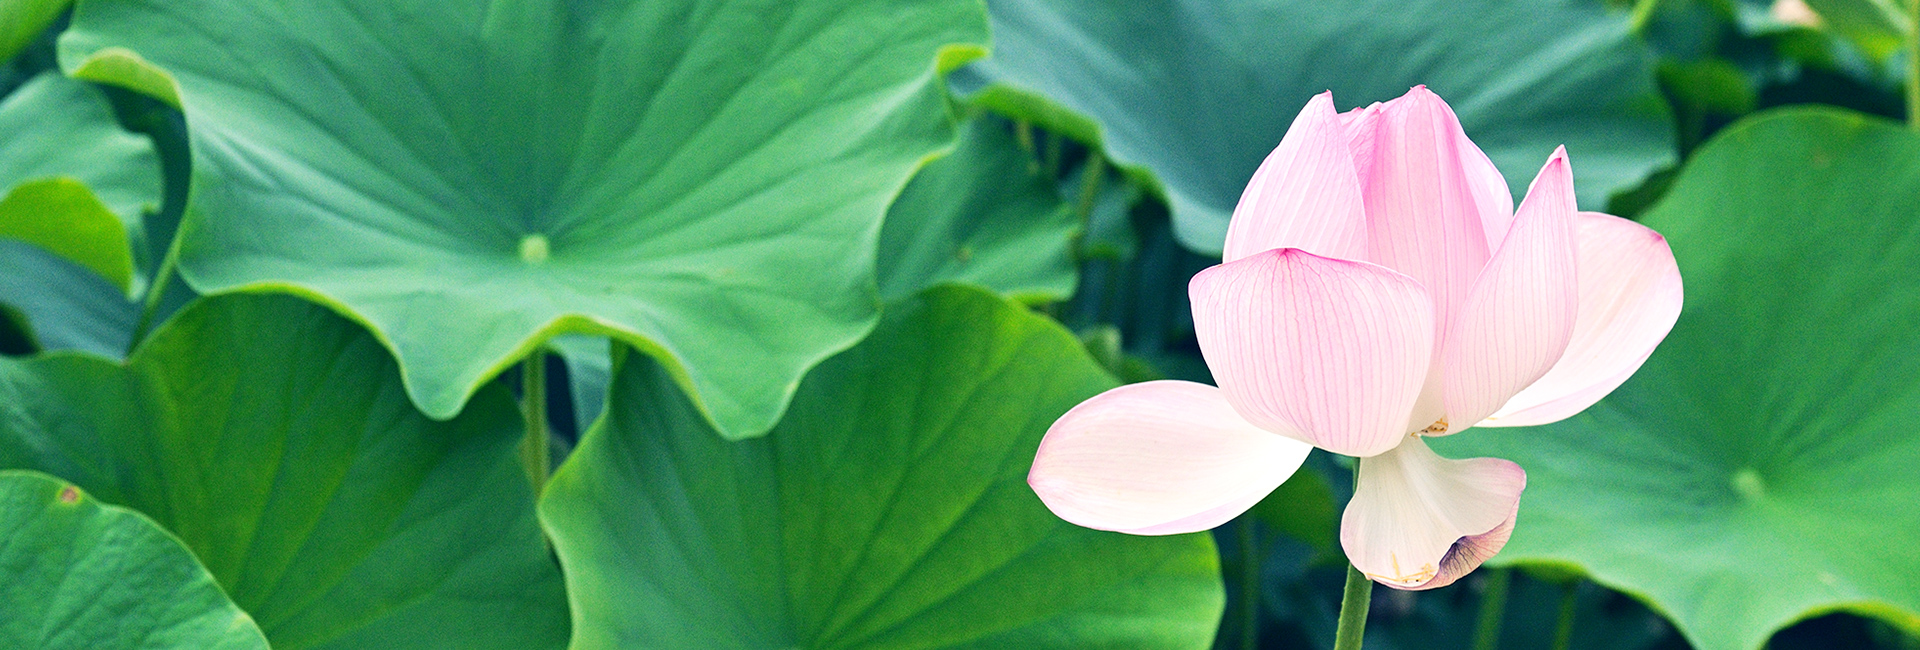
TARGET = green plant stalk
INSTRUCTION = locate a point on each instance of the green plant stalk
(1249, 585)
(1493, 610)
(1913, 64)
(534, 456)
(1353, 610)
(150, 307)
(1563, 631)
(1356, 600)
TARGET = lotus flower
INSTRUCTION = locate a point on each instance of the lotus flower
(1377, 288)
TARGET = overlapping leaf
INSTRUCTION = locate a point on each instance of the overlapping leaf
(274, 438)
(1759, 468)
(703, 179)
(985, 215)
(887, 510)
(1196, 92)
(74, 183)
(82, 575)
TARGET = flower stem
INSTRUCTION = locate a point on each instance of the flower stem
(1353, 610)
(1249, 585)
(1563, 631)
(533, 389)
(1913, 64)
(1493, 609)
(1357, 599)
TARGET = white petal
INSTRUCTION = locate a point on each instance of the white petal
(1158, 458)
(1419, 521)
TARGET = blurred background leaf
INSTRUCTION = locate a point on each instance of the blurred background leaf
(1194, 93)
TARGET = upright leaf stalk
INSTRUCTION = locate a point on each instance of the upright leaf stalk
(534, 456)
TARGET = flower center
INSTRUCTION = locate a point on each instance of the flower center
(1438, 427)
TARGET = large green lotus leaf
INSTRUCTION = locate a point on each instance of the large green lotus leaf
(889, 509)
(82, 575)
(1760, 468)
(63, 305)
(22, 21)
(704, 179)
(1197, 92)
(274, 438)
(71, 180)
(985, 216)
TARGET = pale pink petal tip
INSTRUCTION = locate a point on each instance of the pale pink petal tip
(1630, 296)
(1158, 458)
(1519, 317)
(1328, 351)
(1419, 521)
(1306, 193)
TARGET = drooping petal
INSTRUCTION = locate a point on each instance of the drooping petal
(1158, 458)
(1419, 521)
(1517, 321)
(1305, 195)
(1330, 351)
(1630, 296)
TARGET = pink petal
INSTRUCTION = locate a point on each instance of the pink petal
(1305, 195)
(1484, 182)
(1431, 198)
(1427, 204)
(1630, 296)
(1361, 125)
(1158, 458)
(1329, 351)
(1516, 323)
(1419, 521)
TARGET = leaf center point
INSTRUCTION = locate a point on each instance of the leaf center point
(534, 249)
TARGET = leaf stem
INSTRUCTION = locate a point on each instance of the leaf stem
(1249, 585)
(1355, 602)
(1913, 64)
(1493, 610)
(534, 456)
(150, 307)
(1563, 631)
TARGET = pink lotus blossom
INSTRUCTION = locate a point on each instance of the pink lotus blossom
(1378, 287)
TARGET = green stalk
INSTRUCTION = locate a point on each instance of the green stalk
(1493, 610)
(1913, 64)
(1563, 631)
(1353, 610)
(1249, 585)
(1355, 601)
(151, 306)
(533, 449)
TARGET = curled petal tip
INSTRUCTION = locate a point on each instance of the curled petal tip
(1419, 521)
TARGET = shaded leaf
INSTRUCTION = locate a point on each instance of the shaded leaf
(888, 509)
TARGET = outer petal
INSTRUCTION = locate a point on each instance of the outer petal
(1516, 323)
(1329, 351)
(1305, 194)
(1158, 458)
(1419, 521)
(1630, 296)
(1429, 208)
